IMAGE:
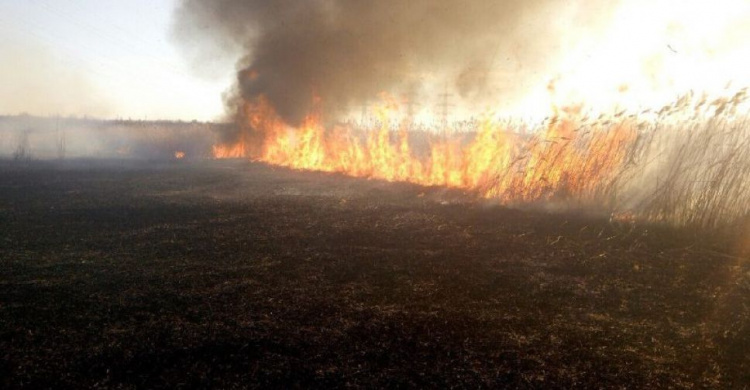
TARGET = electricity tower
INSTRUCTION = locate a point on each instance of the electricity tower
(444, 106)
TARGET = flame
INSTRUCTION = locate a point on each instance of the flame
(561, 159)
(229, 151)
(672, 156)
(179, 154)
(685, 163)
(648, 52)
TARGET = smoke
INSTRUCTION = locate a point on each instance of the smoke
(58, 138)
(345, 52)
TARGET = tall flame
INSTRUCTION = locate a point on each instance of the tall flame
(684, 163)
(562, 159)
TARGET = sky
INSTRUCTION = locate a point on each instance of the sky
(119, 59)
(101, 58)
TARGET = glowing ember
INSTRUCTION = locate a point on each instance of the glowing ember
(123, 151)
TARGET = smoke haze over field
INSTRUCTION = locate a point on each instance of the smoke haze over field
(47, 138)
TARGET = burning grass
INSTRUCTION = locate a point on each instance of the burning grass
(687, 164)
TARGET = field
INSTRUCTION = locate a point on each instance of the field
(230, 274)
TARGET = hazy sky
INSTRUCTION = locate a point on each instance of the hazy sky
(106, 58)
(118, 58)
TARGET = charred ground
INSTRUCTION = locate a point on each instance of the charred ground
(231, 274)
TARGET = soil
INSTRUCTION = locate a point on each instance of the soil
(231, 274)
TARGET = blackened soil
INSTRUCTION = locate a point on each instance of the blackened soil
(119, 274)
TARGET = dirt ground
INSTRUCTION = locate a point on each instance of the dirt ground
(229, 274)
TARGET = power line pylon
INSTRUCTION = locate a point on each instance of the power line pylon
(410, 100)
(363, 114)
(444, 106)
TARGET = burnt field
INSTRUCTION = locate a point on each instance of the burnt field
(227, 274)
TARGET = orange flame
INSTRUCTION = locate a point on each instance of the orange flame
(179, 154)
(229, 151)
(561, 160)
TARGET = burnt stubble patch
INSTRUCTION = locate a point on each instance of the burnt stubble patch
(231, 274)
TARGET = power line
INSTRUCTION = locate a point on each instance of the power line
(444, 106)
(410, 97)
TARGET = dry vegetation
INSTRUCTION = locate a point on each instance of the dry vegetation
(703, 174)
(686, 165)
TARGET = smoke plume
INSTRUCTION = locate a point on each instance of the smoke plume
(345, 52)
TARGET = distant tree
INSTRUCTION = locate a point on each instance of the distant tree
(23, 149)
(60, 141)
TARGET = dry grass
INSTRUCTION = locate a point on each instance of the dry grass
(688, 164)
(703, 174)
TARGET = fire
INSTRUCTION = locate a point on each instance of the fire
(653, 154)
(563, 158)
(229, 151)
(685, 163)
(179, 154)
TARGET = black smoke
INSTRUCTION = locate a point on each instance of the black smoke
(347, 51)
